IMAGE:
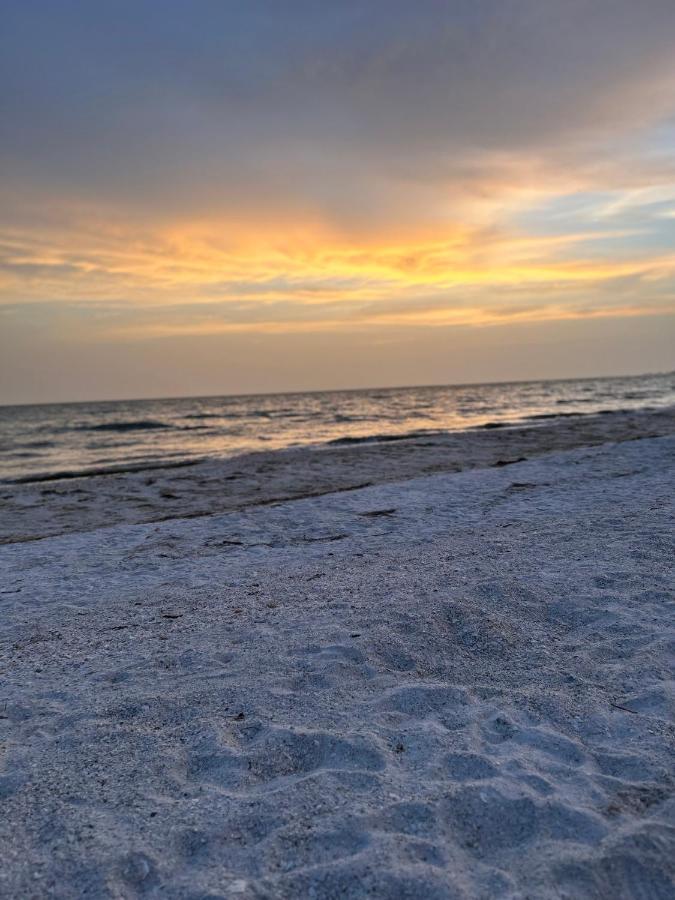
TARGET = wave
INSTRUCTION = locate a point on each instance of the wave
(555, 415)
(118, 469)
(275, 414)
(382, 438)
(37, 445)
(133, 425)
(341, 418)
(619, 410)
(250, 414)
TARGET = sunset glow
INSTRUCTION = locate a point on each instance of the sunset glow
(358, 171)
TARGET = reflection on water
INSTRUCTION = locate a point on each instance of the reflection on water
(91, 436)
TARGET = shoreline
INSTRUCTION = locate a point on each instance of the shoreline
(451, 685)
(185, 489)
(149, 465)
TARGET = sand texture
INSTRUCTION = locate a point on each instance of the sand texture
(456, 686)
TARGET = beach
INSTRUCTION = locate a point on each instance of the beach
(48, 505)
(432, 667)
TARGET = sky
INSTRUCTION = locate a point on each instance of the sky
(203, 196)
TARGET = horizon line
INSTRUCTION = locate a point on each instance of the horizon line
(292, 393)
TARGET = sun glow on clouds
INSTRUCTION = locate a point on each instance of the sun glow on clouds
(209, 277)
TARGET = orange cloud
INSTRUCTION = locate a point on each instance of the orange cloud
(284, 273)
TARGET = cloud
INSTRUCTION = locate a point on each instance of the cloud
(352, 112)
(214, 168)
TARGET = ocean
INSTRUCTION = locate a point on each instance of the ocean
(44, 441)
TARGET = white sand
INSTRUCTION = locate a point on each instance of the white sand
(453, 686)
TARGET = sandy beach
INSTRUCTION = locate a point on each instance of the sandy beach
(432, 668)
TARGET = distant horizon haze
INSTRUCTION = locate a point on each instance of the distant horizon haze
(337, 389)
(261, 364)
